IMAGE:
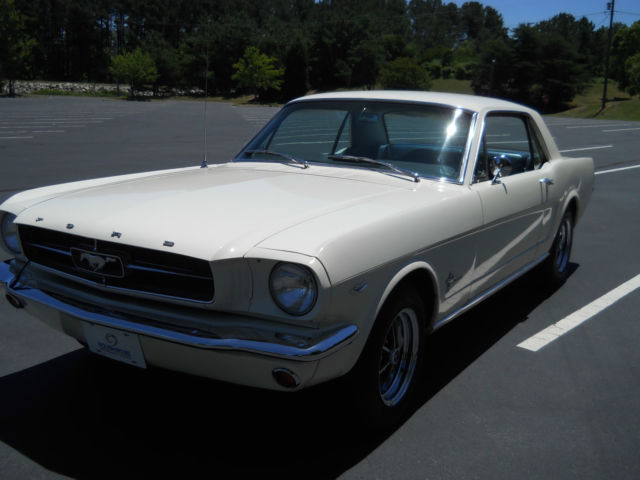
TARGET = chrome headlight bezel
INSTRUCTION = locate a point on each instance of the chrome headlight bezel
(293, 288)
(9, 233)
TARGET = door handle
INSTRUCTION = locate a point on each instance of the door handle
(546, 181)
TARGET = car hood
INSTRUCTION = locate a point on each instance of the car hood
(213, 213)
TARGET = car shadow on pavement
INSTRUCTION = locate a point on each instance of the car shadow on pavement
(456, 345)
(86, 417)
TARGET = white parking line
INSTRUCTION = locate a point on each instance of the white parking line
(555, 331)
(621, 129)
(612, 170)
(12, 138)
(598, 126)
(586, 148)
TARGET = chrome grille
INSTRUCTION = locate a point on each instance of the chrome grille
(145, 270)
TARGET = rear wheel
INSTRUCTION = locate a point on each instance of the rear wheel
(555, 268)
(384, 378)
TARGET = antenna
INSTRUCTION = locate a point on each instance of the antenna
(206, 85)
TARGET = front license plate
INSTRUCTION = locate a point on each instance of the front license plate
(115, 344)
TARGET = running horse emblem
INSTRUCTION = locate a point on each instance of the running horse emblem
(96, 263)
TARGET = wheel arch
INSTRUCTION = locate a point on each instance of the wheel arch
(422, 277)
(572, 206)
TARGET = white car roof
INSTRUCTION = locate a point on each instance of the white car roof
(468, 102)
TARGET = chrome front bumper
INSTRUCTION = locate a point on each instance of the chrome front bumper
(257, 338)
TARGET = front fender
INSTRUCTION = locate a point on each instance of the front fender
(431, 290)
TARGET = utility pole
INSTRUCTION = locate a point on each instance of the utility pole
(610, 7)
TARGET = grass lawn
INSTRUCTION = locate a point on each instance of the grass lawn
(620, 105)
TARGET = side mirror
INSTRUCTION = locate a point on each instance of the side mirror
(500, 167)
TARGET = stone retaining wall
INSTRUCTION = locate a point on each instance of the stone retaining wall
(23, 87)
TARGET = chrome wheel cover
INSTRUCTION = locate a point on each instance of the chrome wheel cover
(563, 250)
(398, 356)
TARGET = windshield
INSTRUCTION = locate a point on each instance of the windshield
(429, 140)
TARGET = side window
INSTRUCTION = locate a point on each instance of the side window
(507, 136)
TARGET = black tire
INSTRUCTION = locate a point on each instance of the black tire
(384, 379)
(555, 269)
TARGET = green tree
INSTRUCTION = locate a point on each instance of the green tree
(256, 72)
(632, 73)
(16, 44)
(626, 44)
(169, 61)
(296, 72)
(538, 68)
(136, 68)
(404, 74)
(493, 71)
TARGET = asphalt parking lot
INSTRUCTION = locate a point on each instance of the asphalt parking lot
(502, 395)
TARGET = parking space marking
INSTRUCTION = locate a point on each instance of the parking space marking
(621, 129)
(612, 170)
(599, 126)
(585, 148)
(555, 331)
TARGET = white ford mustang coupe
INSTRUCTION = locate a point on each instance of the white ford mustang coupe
(350, 227)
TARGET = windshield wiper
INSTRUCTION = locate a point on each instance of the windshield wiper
(277, 154)
(354, 159)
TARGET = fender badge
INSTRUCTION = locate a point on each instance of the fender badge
(116, 234)
(359, 288)
(167, 243)
(39, 219)
(70, 226)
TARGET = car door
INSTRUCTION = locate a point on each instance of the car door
(515, 201)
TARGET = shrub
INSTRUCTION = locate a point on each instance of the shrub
(404, 74)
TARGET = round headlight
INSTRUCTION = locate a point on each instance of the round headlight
(293, 288)
(9, 232)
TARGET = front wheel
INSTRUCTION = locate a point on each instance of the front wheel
(385, 376)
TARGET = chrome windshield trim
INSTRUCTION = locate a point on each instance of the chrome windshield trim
(467, 155)
(311, 349)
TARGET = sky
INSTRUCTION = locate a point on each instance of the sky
(515, 12)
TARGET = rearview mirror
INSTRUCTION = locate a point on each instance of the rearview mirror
(500, 166)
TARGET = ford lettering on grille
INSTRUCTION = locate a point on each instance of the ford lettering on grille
(98, 263)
